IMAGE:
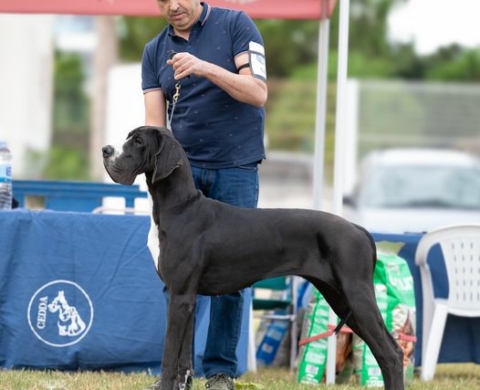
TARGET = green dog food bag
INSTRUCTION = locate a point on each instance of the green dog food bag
(401, 312)
(313, 355)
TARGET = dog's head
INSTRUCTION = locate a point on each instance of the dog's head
(147, 149)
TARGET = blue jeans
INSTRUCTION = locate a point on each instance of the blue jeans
(239, 187)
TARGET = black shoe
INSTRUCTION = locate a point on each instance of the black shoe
(220, 382)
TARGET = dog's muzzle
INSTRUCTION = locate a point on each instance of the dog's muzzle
(108, 151)
(117, 169)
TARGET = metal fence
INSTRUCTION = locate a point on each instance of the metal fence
(398, 113)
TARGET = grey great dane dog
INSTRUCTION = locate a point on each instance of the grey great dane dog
(212, 248)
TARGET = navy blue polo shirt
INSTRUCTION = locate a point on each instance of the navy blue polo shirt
(215, 130)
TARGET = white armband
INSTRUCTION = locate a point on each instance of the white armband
(256, 59)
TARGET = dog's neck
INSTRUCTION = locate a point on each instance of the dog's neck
(173, 191)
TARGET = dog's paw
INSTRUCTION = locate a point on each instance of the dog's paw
(186, 383)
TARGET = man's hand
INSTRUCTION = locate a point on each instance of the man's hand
(184, 64)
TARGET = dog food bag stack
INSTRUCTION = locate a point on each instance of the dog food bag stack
(396, 300)
(352, 356)
(394, 273)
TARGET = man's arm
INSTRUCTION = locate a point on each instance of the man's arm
(155, 110)
(243, 86)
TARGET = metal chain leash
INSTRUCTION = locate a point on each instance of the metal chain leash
(175, 96)
(174, 103)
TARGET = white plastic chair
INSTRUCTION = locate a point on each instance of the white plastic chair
(460, 245)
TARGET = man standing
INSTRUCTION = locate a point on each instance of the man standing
(204, 77)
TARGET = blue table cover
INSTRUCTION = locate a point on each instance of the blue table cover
(80, 291)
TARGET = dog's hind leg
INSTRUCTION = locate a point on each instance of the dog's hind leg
(353, 270)
(366, 321)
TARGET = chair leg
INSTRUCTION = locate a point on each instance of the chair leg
(428, 308)
(293, 342)
(434, 342)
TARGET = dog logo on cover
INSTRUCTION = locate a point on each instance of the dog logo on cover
(60, 313)
(69, 322)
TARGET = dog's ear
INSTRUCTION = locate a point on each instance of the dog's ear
(167, 159)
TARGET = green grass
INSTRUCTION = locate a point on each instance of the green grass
(448, 377)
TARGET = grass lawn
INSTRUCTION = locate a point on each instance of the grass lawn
(448, 377)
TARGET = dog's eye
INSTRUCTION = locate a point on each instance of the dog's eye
(137, 140)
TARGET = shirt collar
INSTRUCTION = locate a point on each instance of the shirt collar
(205, 13)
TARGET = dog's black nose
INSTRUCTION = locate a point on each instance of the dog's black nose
(107, 151)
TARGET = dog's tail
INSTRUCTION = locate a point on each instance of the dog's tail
(342, 322)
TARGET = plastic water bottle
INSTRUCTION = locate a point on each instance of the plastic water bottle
(5, 177)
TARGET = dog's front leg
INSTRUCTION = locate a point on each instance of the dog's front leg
(185, 365)
(177, 356)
